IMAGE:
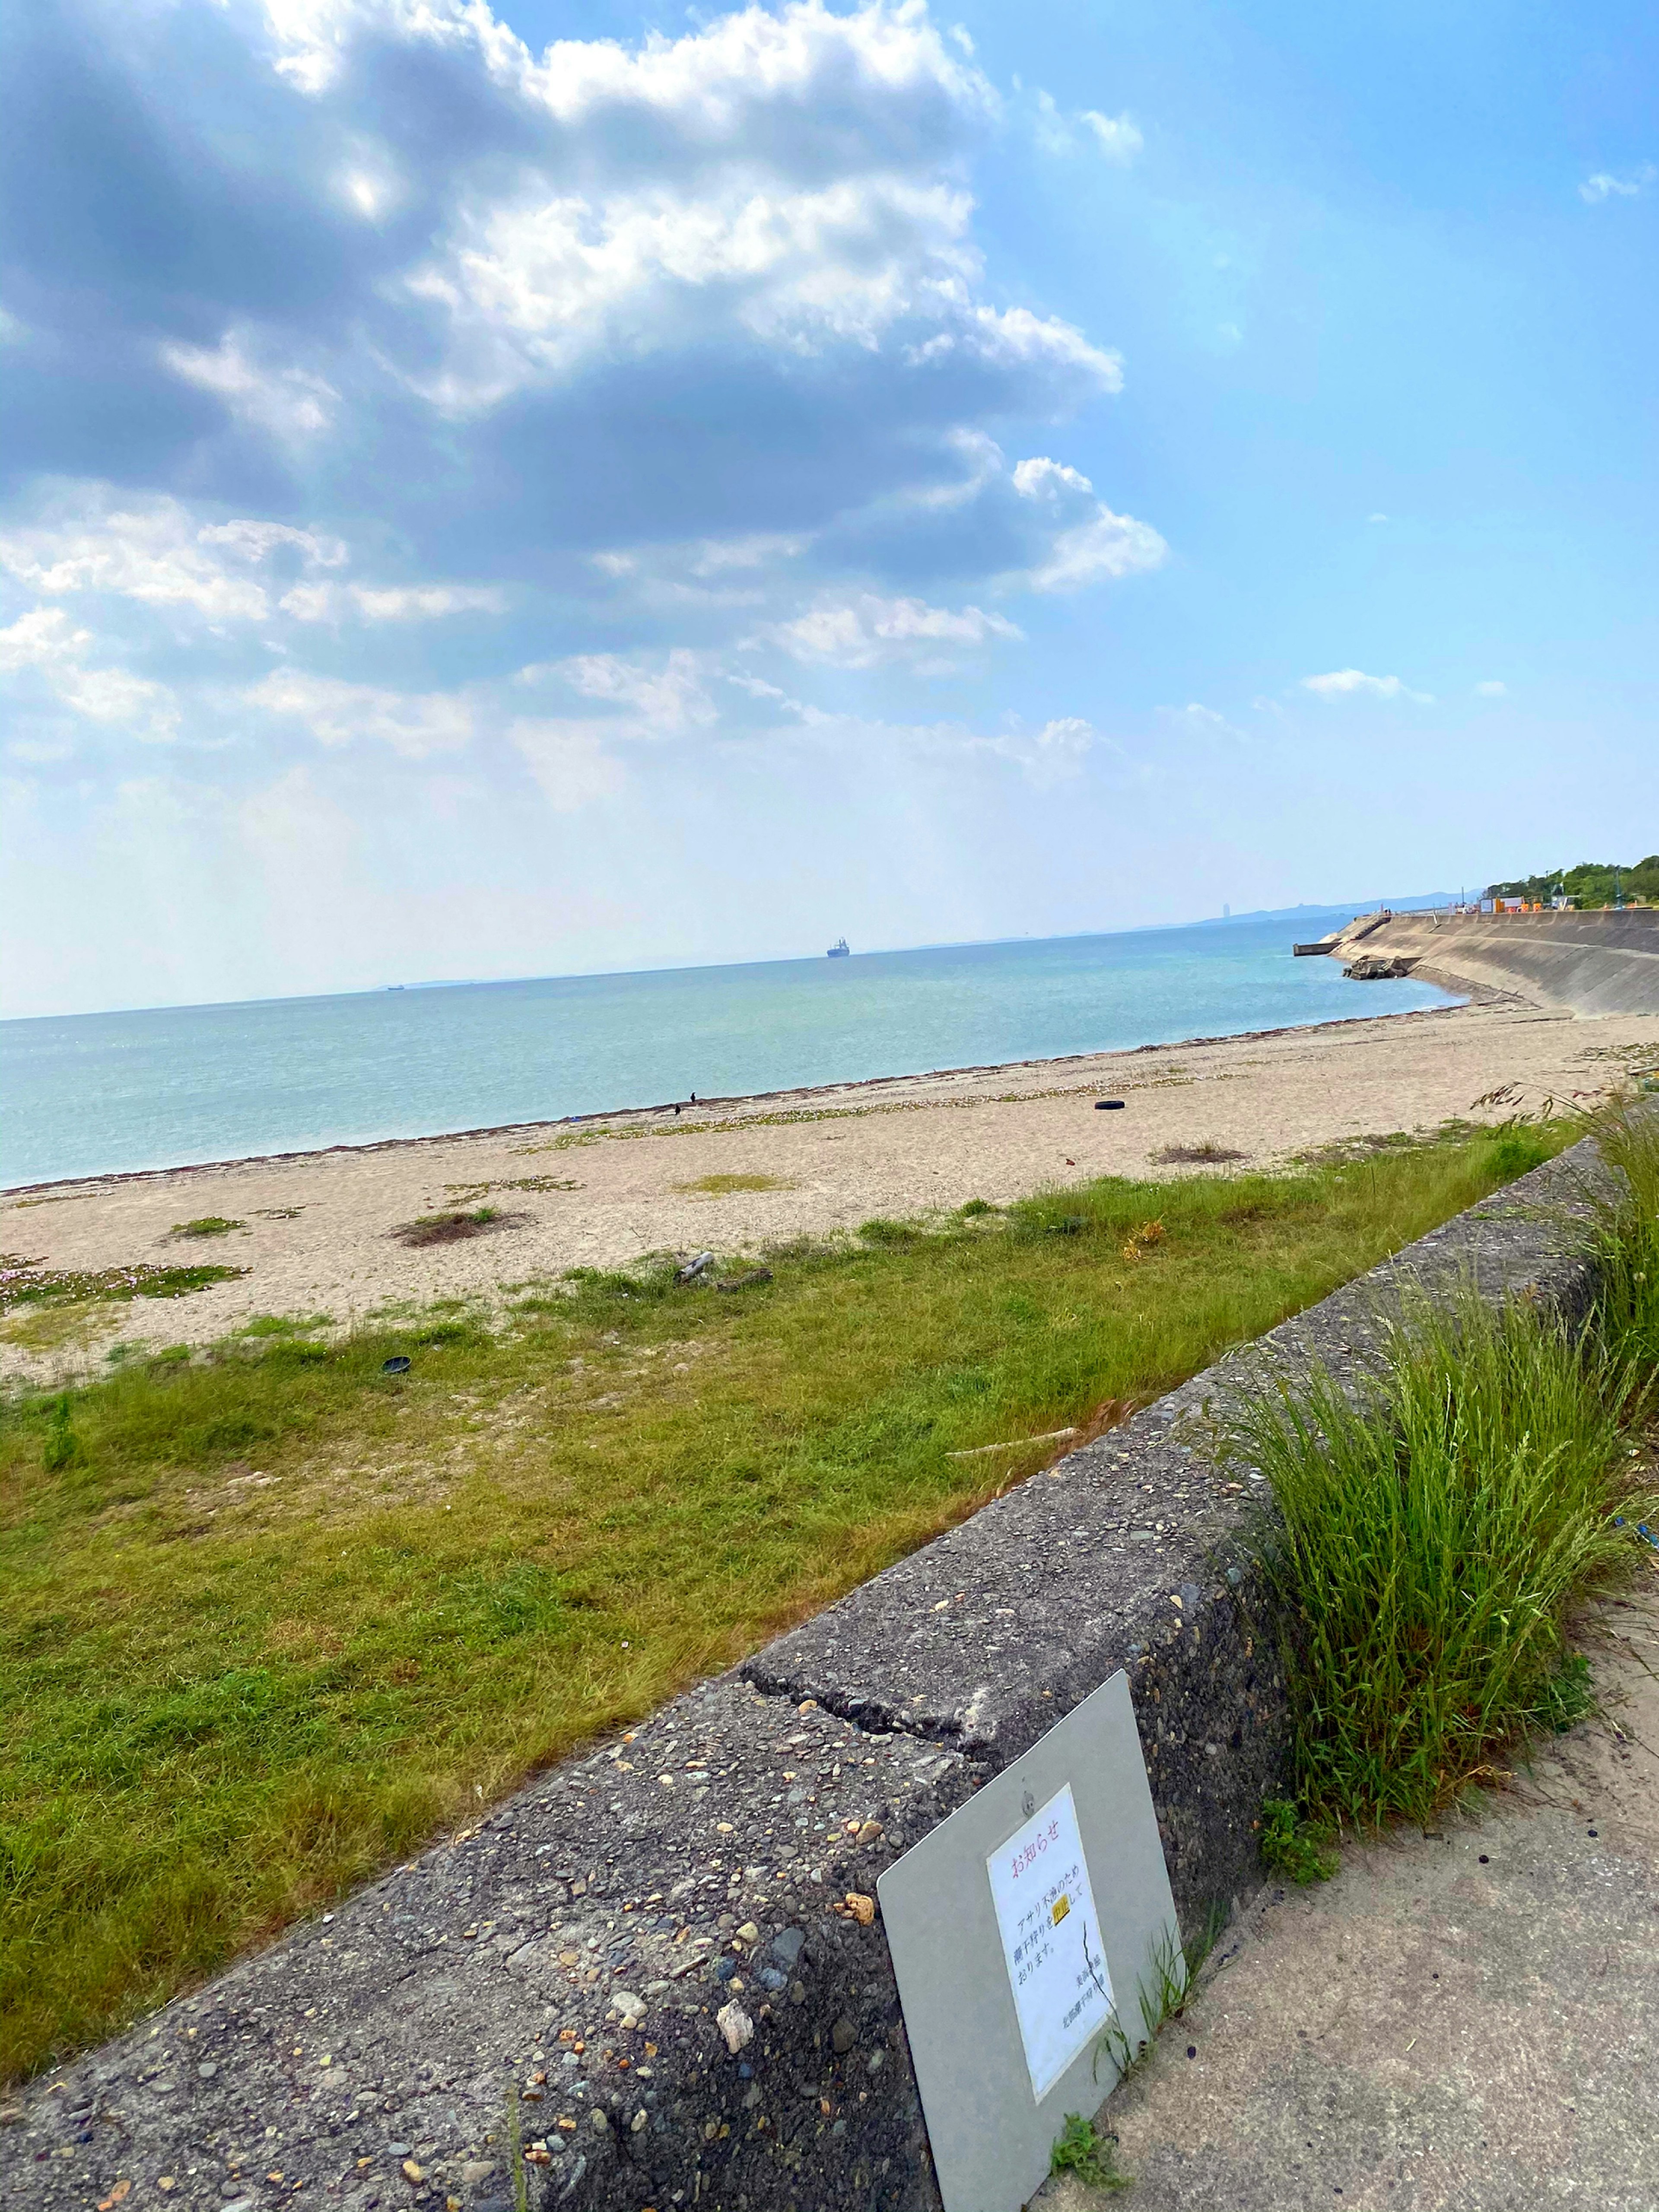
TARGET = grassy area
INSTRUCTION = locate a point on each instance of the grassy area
(1434, 1537)
(274, 1617)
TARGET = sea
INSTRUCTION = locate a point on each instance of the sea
(94, 1094)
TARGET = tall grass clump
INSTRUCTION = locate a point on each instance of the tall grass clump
(1432, 1529)
(1623, 1246)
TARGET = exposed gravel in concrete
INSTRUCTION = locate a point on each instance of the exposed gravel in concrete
(367, 2060)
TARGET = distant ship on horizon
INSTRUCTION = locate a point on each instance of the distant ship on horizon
(839, 950)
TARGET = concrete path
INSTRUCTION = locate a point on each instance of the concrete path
(1468, 2018)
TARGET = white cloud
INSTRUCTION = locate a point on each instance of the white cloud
(539, 288)
(568, 760)
(161, 555)
(1089, 542)
(863, 629)
(42, 636)
(1348, 683)
(704, 89)
(46, 641)
(313, 603)
(1117, 137)
(256, 541)
(1376, 518)
(146, 710)
(157, 554)
(414, 724)
(1198, 721)
(1603, 186)
(1491, 689)
(665, 700)
(290, 404)
(1053, 754)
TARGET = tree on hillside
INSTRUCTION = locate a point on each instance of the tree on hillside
(1591, 884)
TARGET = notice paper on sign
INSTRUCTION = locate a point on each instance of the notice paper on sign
(1051, 1939)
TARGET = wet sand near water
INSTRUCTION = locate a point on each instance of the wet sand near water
(317, 1229)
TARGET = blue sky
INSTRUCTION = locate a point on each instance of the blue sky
(504, 494)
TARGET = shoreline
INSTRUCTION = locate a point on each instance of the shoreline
(317, 1238)
(1463, 994)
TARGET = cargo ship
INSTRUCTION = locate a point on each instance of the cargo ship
(839, 950)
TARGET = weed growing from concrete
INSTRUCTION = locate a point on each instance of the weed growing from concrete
(1291, 1846)
(515, 2151)
(1083, 2150)
(1175, 1966)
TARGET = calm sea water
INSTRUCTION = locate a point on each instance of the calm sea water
(91, 1093)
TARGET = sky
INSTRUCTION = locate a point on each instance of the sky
(569, 488)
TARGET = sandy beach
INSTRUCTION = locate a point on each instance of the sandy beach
(317, 1234)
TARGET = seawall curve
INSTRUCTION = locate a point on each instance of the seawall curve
(1581, 963)
(582, 1945)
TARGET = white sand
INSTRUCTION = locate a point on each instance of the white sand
(896, 1147)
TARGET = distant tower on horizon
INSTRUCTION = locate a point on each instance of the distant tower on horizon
(1226, 911)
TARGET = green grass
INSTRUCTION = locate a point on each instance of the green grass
(273, 1618)
(207, 1225)
(1432, 1537)
(29, 1283)
(723, 1186)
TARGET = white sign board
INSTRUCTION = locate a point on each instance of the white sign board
(996, 1942)
(1051, 1939)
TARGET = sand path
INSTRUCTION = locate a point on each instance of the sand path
(317, 1240)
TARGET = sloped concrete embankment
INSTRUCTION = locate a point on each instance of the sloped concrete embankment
(1583, 964)
(665, 1949)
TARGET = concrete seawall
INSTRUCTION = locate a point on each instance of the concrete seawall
(666, 1948)
(1581, 964)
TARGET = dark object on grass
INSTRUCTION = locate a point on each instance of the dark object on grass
(693, 1268)
(1069, 1224)
(1108, 1105)
(748, 1282)
(399, 1365)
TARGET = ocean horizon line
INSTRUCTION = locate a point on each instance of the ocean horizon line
(1407, 902)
